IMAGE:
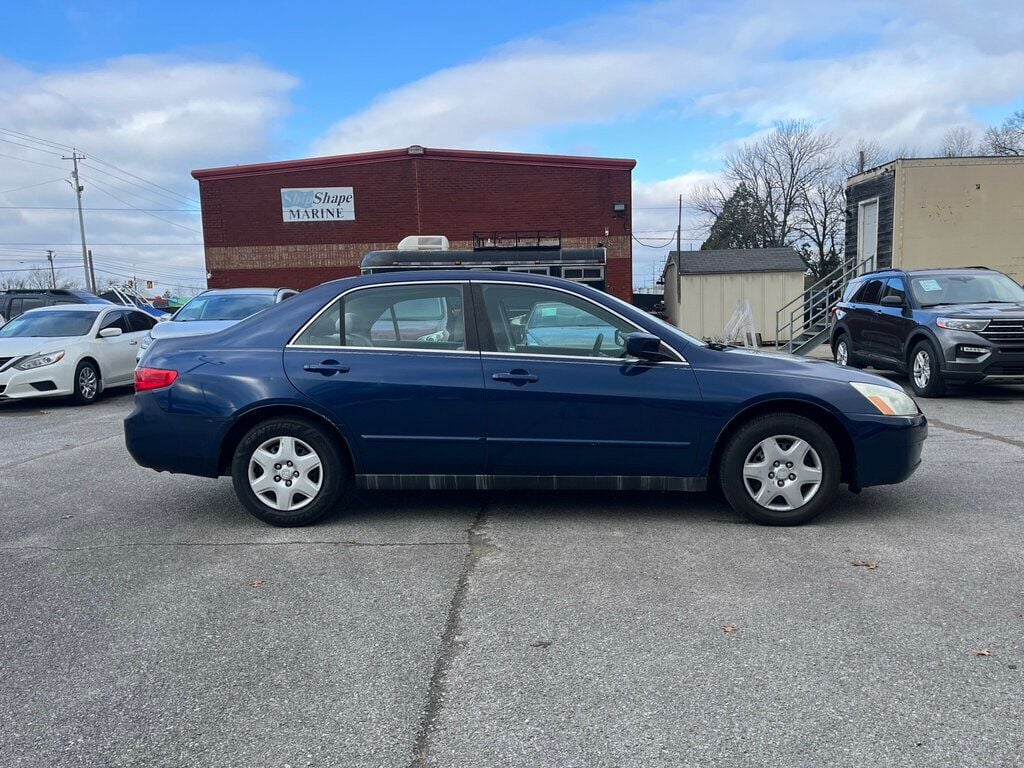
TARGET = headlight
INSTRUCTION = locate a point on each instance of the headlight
(961, 324)
(38, 361)
(889, 401)
(146, 341)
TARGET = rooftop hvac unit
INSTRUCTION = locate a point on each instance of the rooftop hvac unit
(424, 243)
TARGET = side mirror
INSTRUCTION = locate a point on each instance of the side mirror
(892, 301)
(645, 346)
(109, 333)
(163, 318)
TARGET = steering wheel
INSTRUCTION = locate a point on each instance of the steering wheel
(597, 344)
(620, 340)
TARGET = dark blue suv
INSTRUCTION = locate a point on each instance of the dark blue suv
(938, 325)
(484, 380)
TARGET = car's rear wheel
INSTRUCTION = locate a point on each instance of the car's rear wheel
(780, 469)
(842, 353)
(925, 374)
(289, 472)
(86, 383)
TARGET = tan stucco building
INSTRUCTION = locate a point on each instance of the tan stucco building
(702, 287)
(939, 212)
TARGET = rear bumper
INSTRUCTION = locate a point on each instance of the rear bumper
(182, 443)
(888, 448)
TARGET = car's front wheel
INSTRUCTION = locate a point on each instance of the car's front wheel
(780, 469)
(86, 383)
(289, 472)
(925, 374)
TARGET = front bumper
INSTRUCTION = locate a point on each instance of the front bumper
(888, 448)
(173, 442)
(48, 381)
(999, 362)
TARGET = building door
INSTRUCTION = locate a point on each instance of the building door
(867, 236)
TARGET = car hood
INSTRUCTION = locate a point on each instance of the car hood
(32, 345)
(172, 329)
(755, 361)
(988, 311)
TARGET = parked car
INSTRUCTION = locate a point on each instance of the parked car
(70, 349)
(214, 310)
(300, 404)
(941, 326)
(17, 300)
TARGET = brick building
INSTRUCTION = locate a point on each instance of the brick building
(299, 223)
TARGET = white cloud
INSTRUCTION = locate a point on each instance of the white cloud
(154, 116)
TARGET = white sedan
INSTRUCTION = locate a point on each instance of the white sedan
(70, 349)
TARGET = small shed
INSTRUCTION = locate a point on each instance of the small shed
(702, 287)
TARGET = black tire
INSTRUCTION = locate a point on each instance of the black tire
(87, 383)
(928, 382)
(335, 476)
(745, 443)
(852, 360)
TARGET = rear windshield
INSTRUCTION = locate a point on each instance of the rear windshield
(982, 288)
(231, 307)
(49, 324)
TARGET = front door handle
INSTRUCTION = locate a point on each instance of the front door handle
(516, 377)
(326, 367)
(133, 342)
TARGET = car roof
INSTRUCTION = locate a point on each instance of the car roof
(76, 308)
(449, 275)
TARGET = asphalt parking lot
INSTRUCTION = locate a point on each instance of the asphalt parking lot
(149, 621)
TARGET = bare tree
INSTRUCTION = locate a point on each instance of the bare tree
(821, 223)
(1006, 139)
(958, 142)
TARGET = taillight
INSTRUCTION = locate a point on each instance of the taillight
(153, 378)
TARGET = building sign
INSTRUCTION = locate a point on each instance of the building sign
(319, 204)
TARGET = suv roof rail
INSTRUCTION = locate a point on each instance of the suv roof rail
(51, 291)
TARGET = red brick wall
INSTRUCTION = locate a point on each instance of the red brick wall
(247, 243)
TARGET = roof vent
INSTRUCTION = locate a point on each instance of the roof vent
(424, 243)
(416, 149)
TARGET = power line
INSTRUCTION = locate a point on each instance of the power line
(29, 146)
(145, 191)
(72, 208)
(103, 188)
(30, 186)
(33, 162)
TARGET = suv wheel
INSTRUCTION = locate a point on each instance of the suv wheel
(925, 375)
(780, 469)
(842, 352)
(289, 472)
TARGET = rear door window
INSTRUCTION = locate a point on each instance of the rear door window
(870, 292)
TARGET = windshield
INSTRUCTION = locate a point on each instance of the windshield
(936, 289)
(236, 306)
(49, 324)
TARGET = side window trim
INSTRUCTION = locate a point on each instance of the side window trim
(472, 344)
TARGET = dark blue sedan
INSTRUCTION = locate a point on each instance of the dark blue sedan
(340, 388)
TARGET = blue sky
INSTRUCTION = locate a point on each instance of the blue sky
(157, 89)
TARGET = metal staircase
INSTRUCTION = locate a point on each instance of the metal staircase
(804, 323)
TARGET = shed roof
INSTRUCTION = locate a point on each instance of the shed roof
(731, 260)
(413, 152)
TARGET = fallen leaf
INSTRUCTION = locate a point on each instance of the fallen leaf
(730, 628)
(540, 643)
(869, 564)
(982, 652)
(257, 583)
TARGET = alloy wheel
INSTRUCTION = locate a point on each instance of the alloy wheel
(88, 384)
(782, 473)
(922, 369)
(285, 473)
(842, 353)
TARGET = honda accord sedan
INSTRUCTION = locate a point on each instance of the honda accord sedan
(345, 387)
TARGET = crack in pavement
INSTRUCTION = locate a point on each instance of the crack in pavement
(976, 433)
(172, 544)
(59, 450)
(479, 546)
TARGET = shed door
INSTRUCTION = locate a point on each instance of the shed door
(867, 242)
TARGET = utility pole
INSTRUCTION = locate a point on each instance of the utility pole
(75, 157)
(53, 275)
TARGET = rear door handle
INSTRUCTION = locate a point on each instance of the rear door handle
(326, 367)
(133, 342)
(516, 377)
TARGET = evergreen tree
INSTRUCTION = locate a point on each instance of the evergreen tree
(741, 224)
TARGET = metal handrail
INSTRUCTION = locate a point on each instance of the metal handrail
(814, 304)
